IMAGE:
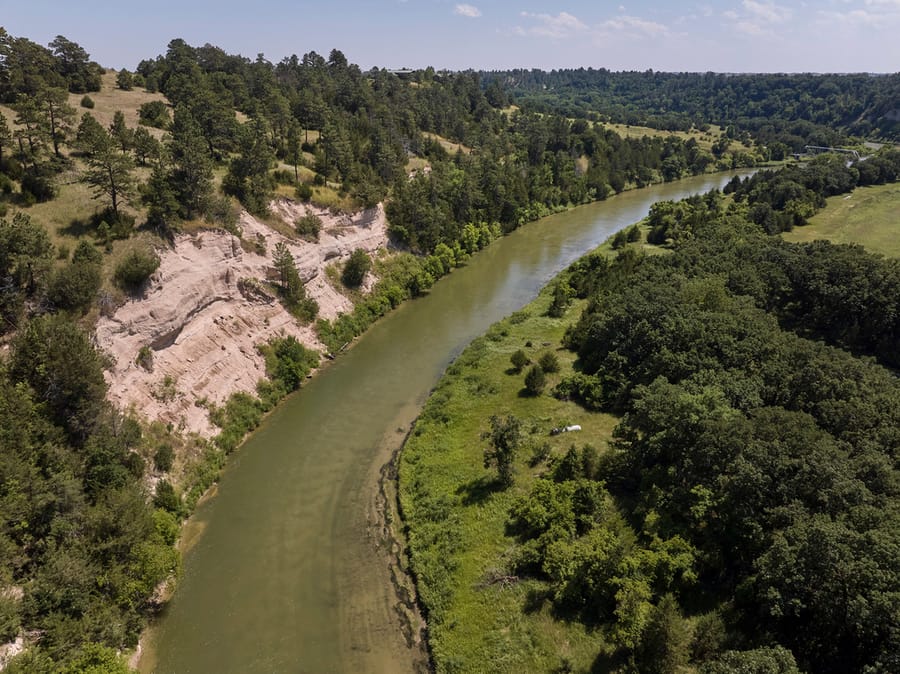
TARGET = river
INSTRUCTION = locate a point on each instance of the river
(286, 573)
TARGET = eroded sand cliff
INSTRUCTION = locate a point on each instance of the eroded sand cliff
(202, 318)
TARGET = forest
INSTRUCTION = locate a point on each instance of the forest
(87, 541)
(793, 110)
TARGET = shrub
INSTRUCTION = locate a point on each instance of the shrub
(562, 297)
(288, 361)
(309, 226)
(163, 458)
(634, 234)
(132, 272)
(304, 192)
(166, 498)
(535, 380)
(549, 362)
(519, 360)
(87, 102)
(124, 80)
(36, 188)
(356, 268)
(144, 358)
(222, 212)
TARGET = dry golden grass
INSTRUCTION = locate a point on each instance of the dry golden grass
(448, 145)
(109, 99)
(704, 139)
(416, 164)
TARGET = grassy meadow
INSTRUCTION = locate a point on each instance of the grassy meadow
(869, 216)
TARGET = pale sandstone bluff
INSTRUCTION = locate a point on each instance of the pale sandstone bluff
(202, 320)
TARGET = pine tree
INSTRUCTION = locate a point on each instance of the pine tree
(109, 172)
(191, 175)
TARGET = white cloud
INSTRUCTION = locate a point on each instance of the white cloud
(758, 19)
(467, 10)
(877, 14)
(634, 26)
(564, 25)
(546, 25)
(767, 12)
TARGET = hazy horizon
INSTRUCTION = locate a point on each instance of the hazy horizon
(737, 36)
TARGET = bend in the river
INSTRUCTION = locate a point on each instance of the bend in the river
(287, 575)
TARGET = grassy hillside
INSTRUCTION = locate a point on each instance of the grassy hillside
(869, 216)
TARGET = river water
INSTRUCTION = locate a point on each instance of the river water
(286, 574)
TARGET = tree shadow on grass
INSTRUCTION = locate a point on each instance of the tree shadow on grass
(78, 227)
(536, 599)
(478, 491)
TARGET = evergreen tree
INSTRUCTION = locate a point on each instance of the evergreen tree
(248, 176)
(123, 136)
(109, 172)
(32, 129)
(504, 438)
(535, 380)
(191, 173)
(60, 116)
(90, 134)
(5, 137)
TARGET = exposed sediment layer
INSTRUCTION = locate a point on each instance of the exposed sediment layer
(202, 319)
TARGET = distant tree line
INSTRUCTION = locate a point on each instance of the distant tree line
(792, 110)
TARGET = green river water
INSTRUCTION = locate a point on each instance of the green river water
(286, 573)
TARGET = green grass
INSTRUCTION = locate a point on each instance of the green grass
(458, 519)
(869, 216)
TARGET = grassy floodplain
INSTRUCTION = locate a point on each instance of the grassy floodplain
(869, 216)
(447, 493)
(478, 614)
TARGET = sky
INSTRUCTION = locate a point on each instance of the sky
(715, 35)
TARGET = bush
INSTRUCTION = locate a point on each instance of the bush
(633, 234)
(288, 361)
(549, 362)
(166, 498)
(132, 272)
(124, 80)
(222, 212)
(283, 176)
(535, 380)
(304, 192)
(87, 102)
(9, 618)
(356, 268)
(36, 188)
(309, 226)
(144, 358)
(562, 297)
(519, 360)
(163, 458)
